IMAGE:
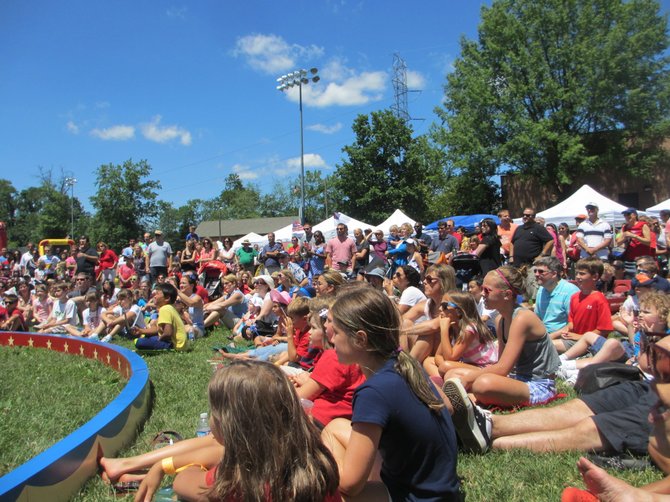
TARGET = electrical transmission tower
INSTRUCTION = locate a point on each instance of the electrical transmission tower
(400, 88)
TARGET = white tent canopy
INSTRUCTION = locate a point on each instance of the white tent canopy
(397, 218)
(654, 210)
(328, 227)
(253, 237)
(566, 211)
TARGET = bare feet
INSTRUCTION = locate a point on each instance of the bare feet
(608, 488)
(116, 469)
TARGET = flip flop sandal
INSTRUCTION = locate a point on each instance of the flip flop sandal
(122, 488)
(165, 438)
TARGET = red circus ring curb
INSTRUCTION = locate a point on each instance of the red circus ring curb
(59, 472)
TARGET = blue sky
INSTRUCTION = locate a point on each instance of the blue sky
(190, 86)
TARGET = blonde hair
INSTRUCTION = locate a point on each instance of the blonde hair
(369, 310)
(253, 405)
(661, 302)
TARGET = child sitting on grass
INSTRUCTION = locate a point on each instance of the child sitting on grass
(465, 340)
(11, 317)
(242, 330)
(299, 356)
(287, 461)
(120, 319)
(40, 305)
(91, 317)
(331, 384)
(171, 333)
(64, 311)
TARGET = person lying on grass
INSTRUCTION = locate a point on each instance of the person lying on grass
(607, 488)
(612, 420)
(287, 461)
(171, 332)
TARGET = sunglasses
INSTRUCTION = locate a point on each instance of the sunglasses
(540, 272)
(659, 357)
(430, 280)
(528, 215)
(447, 305)
(398, 275)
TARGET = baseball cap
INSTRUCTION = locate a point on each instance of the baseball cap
(581, 217)
(377, 272)
(592, 204)
(630, 210)
(280, 297)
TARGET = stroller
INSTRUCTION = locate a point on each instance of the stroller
(466, 267)
(210, 275)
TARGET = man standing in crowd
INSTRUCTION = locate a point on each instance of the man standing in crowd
(158, 256)
(341, 250)
(665, 228)
(444, 244)
(191, 234)
(452, 231)
(87, 257)
(245, 256)
(145, 243)
(529, 241)
(27, 262)
(423, 239)
(506, 231)
(594, 235)
(308, 240)
(270, 255)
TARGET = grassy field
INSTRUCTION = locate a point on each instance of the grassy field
(180, 381)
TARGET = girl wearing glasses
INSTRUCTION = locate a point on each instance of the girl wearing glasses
(527, 360)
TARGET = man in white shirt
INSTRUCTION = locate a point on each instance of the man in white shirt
(594, 235)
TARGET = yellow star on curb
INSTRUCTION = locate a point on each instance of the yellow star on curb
(109, 358)
(31, 342)
(118, 364)
(95, 353)
(81, 350)
(11, 341)
(66, 347)
(49, 344)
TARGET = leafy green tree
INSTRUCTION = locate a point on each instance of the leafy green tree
(558, 88)
(236, 201)
(124, 202)
(386, 169)
(8, 195)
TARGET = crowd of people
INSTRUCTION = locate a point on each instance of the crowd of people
(402, 344)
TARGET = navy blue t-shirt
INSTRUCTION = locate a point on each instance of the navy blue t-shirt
(417, 445)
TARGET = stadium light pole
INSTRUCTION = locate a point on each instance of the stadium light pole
(299, 78)
(70, 182)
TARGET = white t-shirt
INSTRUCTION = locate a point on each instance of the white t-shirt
(139, 316)
(482, 310)
(411, 296)
(65, 310)
(594, 234)
(92, 319)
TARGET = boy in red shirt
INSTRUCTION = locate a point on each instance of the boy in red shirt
(299, 356)
(11, 317)
(589, 318)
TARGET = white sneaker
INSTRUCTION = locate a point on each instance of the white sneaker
(565, 370)
(571, 380)
(94, 336)
(107, 339)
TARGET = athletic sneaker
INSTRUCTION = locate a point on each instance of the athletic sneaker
(565, 371)
(106, 339)
(622, 462)
(469, 420)
(94, 336)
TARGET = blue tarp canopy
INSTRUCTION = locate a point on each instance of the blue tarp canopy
(467, 221)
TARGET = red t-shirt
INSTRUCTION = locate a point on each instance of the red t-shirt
(108, 259)
(210, 477)
(340, 382)
(589, 312)
(202, 293)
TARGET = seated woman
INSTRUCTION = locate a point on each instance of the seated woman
(230, 307)
(527, 360)
(287, 282)
(243, 396)
(193, 303)
(407, 280)
(421, 337)
(327, 283)
(465, 340)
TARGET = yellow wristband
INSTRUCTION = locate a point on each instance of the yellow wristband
(168, 466)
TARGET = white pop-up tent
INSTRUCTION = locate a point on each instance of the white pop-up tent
(397, 218)
(329, 227)
(253, 237)
(655, 210)
(566, 211)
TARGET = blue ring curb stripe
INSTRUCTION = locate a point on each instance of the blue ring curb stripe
(59, 472)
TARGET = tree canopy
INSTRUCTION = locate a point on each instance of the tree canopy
(556, 88)
(386, 168)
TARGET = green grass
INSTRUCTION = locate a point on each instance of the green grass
(45, 396)
(180, 382)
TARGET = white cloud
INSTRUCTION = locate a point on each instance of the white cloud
(293, 164)
(272, 54)
(415, 80)
(336, 69)
(359, 89)
(177, 12)
(72, 127)
(244, 173)
(153, 132)
(115, 133)
(325, 129)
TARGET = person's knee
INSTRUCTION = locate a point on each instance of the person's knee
(484, 384)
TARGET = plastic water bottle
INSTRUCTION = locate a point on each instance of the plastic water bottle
(203, 426)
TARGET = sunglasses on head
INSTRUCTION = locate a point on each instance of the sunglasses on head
(430, 280)
(447, 305)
